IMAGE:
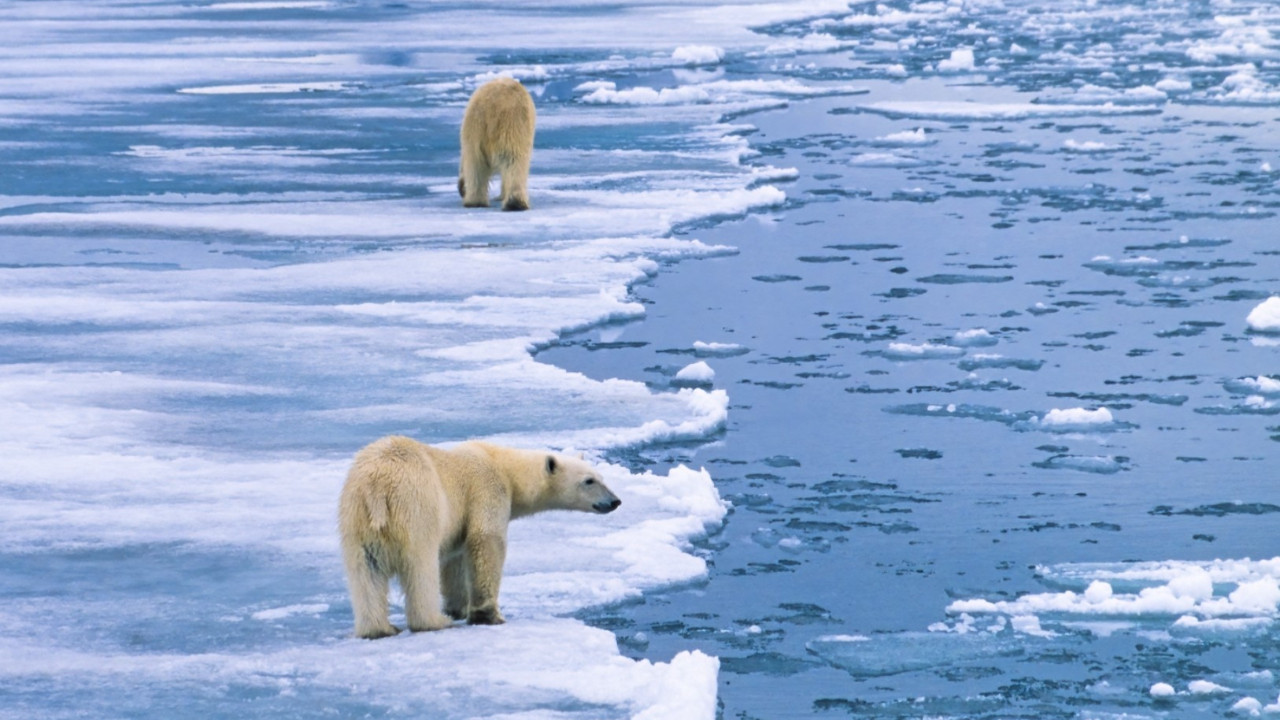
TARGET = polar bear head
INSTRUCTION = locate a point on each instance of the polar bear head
(576, 486)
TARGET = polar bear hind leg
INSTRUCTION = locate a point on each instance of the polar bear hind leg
(420, 579)
(368, 580)
(515, 185)
(473, 181)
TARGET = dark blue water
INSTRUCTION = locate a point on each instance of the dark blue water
(872, 489)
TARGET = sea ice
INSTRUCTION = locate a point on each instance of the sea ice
(698, 372)
(1265, 318)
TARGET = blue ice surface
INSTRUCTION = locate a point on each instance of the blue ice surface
(1110, 235)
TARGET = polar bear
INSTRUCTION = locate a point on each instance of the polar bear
(437, 519)
(497, 137)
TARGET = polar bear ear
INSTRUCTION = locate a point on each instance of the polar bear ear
(551, 464)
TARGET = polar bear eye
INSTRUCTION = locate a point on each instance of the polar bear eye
(589, 481)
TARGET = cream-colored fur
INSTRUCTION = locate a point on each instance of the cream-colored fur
(497, 137)
(437, 520)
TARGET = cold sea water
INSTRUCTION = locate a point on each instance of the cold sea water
(931, 346)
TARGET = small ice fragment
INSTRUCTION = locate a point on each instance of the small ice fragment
(699, 372)
(716, 349)
(1098, 591)
(1077, 416)
(791, 543)
(1204, 687)
(1248, 705)
(960, 61)
(1162, 690)
(977, 337)
(1030, 625)
(1196, 584)
(698, 55)
(1088, 146)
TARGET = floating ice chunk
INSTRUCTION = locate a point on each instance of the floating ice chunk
(1265, 318)
(1098, 591)
(925, 351)
(1030, 625)
(960, 61)
(977, 337)
(1195, 583)
(885, 160)
(685, 688)
(995, 361)
(1077, 417)
(1096, 464)
(1261, 386)
(715, 349)
(525, 74)
(696, 373)
(698, 55)
(1220, 625)
(896, 70)
(1173, 85)
(1205, 687)
(683, 95)
(811, 43)
(1248, 705)
(906, 138)
(593, 85)
(1162, 690)
(1088, 146)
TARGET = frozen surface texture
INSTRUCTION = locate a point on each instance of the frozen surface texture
(968, 307)
(233, 255)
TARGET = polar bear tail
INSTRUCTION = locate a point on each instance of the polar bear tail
(375, 504)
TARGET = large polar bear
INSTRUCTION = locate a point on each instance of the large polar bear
(438, 518)
(497, 137)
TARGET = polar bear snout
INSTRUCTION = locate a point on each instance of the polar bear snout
(607, 505)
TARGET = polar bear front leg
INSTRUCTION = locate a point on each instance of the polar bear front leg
(487, 551)
(421, 581)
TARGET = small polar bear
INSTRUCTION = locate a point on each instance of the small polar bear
(437, 520)
(497, 137)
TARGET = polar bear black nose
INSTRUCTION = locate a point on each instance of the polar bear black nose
(607, 506)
